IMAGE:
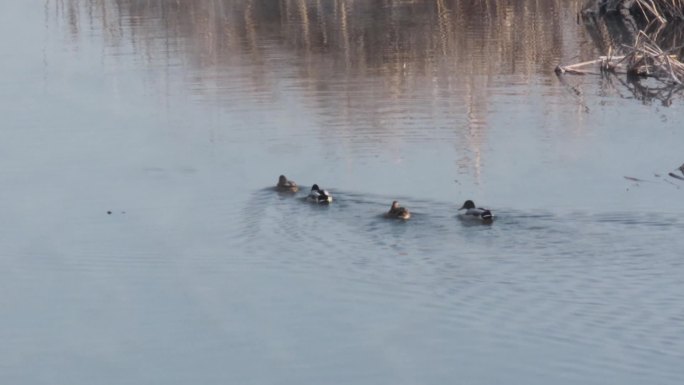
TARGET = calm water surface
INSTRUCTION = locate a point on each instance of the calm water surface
(178, 116)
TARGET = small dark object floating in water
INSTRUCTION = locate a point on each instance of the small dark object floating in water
(675, 176)
(633, 179)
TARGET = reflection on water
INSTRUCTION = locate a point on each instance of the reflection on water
(395, 38)
(406, 69)
(178, 116)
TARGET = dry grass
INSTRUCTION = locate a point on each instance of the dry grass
(644, 59)
(661, 10)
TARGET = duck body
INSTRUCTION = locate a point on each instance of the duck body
(318, 195)
(285, 185)
(475, 213)
(398, 212)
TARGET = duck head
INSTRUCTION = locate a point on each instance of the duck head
(395, 205)
(468, 205)
(282, 180)
(315, 188)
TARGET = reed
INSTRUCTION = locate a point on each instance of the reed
(643, 59)
(661, 10)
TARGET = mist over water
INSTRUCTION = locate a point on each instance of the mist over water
(143, 240)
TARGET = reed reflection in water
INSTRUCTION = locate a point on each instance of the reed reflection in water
(392, 72)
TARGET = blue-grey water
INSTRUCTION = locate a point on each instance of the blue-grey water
(142, 242)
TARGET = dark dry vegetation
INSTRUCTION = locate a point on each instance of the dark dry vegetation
(640, 38)
(645, 58)
(661, 10)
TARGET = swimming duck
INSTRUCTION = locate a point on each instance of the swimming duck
(472, 212)
(286, 185)
(398, 212)
(319, 196)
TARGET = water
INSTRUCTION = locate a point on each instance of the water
(178, 117)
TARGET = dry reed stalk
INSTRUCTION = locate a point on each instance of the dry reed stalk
(644, 58)
(662, 10)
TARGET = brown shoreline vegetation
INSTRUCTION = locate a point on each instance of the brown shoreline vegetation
(660, 10)
(633, 34)
(644, 59)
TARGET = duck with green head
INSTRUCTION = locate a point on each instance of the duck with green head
(477, 213)
(318, 195)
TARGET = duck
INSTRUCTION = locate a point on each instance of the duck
(398, 212)
(472, 212)
(317, 195)
(285, 185)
